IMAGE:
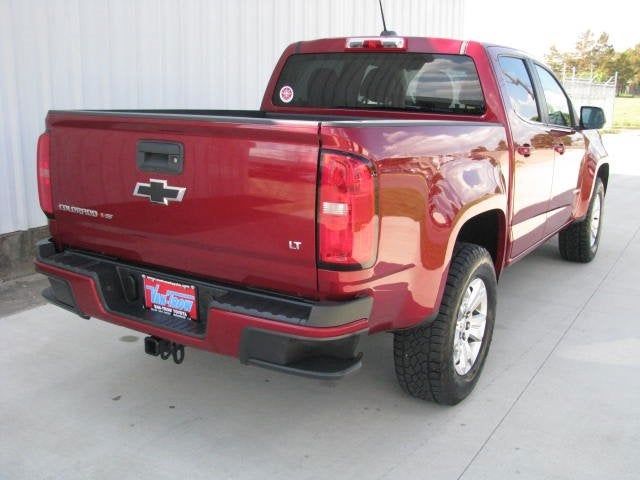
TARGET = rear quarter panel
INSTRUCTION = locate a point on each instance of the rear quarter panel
(433, 176)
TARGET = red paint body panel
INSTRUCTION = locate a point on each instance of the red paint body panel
(432, 178)
(252, 188)
(552, 186)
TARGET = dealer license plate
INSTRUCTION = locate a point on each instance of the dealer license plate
(170, 297)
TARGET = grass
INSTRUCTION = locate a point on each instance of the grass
(626, 112)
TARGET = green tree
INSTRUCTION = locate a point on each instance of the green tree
(556, 59)
(623, 64)
(596, 57)
(627, 64)
(592, 55)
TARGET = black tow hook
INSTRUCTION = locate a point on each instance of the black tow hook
(159, 347)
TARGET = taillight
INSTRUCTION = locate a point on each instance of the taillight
(347, 217)
(376, 43)
(44, 174)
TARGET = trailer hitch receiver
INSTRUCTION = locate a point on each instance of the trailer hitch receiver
(159, 347)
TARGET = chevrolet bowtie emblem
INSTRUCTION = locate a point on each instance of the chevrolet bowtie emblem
(159, 192)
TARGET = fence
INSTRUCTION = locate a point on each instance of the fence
(586, 91)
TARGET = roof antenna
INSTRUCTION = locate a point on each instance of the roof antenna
(385, 32)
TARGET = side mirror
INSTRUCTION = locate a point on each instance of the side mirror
(591, 118)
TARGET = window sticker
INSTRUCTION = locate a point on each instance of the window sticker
(286, 94)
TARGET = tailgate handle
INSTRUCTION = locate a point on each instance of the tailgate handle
(158, 156)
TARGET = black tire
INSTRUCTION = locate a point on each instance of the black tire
(575, 240)
(424, 355)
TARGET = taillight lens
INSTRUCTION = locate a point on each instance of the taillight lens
(44, 174)
(347, 217)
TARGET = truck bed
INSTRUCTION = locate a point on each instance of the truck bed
(249, 180)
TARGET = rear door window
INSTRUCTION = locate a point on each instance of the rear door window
(558, 106)
(519, 88)
(433, 83)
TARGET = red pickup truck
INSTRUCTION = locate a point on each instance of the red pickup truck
(383, 186)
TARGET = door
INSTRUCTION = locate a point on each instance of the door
(569, 146)
(533, 144)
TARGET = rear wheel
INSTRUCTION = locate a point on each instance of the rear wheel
(579, 241)
(442, 361)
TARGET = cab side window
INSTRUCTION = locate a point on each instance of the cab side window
(519, 88)
(557, 102)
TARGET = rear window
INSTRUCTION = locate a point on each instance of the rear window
(519, 88)
(431, 83)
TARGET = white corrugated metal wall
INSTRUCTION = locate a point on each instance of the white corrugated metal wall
(67, 54)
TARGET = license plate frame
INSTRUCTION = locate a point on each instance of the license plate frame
(176, 299)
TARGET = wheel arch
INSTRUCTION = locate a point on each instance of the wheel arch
(603, 174)
(488, 230)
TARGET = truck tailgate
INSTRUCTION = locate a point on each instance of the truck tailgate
(246, 214)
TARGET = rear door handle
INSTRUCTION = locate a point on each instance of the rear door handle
(559, 147)
(524, 150)
(160, 156)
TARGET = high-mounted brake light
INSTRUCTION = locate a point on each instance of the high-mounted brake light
(376, 43)
(44, 174)
(347, 217)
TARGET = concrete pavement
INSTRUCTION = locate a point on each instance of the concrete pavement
(559, 397)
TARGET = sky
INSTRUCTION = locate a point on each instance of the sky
(534, 26)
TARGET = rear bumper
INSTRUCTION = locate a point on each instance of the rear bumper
(294, 335)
